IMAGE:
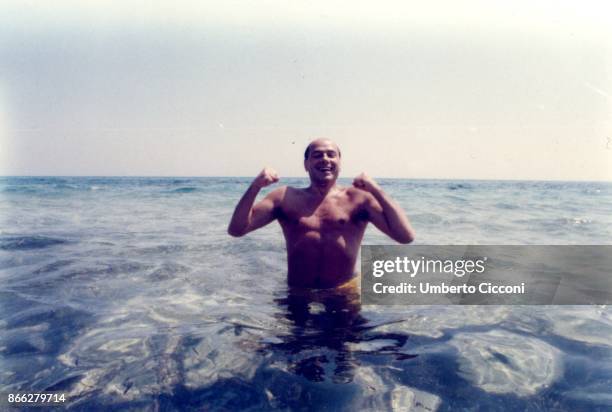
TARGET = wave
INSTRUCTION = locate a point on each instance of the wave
(458, 186)
(28, 242)
(508, 206)
(19, 189)
(558, 222)
(187, 189)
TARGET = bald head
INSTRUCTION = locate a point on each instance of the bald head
(319, 141)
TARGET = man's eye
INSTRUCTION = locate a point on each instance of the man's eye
(331, 154)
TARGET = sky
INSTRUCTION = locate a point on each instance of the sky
(459, 90)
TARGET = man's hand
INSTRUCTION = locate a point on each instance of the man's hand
(265, 178)
(386, 214)
(365, 182)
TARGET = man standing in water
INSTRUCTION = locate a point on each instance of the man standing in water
(324, 223)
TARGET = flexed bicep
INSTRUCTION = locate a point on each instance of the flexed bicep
(376, 216)
(263, 212)
(248, 216)
(391, 221)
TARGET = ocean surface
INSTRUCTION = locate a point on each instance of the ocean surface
(128, 293)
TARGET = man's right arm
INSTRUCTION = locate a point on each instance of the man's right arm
(247, 217)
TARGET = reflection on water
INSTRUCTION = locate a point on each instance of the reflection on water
(327, 329)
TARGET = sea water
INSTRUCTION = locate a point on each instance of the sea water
(128, 293)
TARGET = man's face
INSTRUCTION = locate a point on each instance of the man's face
(323, 163)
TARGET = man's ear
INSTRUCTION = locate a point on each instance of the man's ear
(305, 168)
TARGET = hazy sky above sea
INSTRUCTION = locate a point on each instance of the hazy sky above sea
(470, 89)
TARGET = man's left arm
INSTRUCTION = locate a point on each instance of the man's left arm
(384, 212)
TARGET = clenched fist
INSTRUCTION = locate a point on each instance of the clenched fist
(265, 178)
(365, 182)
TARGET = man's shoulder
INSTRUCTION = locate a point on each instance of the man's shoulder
(295, 191)
(358, 195)
(284, 192)
(277, 194)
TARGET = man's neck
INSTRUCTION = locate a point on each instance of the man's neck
(322, 188)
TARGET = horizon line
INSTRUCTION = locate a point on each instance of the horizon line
(302, 177)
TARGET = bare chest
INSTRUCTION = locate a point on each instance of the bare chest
(329, 216)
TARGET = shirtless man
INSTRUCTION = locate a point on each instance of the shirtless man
(324, 223)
